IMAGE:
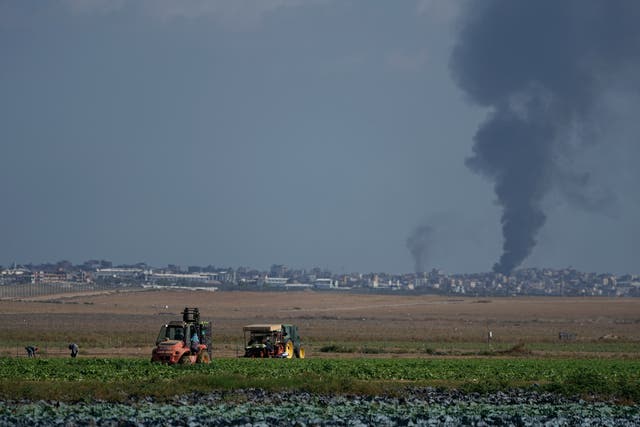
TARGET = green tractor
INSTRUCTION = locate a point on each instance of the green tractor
(279, 341)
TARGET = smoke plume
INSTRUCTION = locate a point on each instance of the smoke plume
(541, 68)
(418, 244)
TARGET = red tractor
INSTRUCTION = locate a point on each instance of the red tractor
(184, 342)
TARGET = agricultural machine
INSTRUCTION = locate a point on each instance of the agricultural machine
(280, 341)
(185, 342)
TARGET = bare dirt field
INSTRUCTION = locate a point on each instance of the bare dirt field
(126, 322)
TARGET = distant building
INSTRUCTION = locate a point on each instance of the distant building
(278, 270)
(16, 275)
(183, 278)
(46, 277)
(275, 281)
(325, 284)
(118, 273)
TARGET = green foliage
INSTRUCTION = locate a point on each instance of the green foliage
(372, 350)
(482, 348)
(429, 350)
(601, 379)
(116, 379)
(335, 348)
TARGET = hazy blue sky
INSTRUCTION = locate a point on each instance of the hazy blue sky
(240, 132)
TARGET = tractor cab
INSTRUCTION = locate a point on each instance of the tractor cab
(173, 331)
(291, 332)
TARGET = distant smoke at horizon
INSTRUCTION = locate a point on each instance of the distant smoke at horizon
(542, 69)
(419, 243)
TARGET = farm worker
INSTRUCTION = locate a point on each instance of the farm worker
(74, 349)
(31, 350)
(195, 342)
(269, 345)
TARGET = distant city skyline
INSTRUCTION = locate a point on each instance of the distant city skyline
(274, 270)
(320, 133)
(92, 275)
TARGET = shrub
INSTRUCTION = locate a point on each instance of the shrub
(335, 348)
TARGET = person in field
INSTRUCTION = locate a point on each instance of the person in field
(195, 343)
(32, 350)
(74, 349)
(269, 345)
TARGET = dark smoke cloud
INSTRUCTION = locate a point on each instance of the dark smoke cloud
(542, 68)
(418, 244)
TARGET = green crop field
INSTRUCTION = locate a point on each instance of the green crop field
(119, 379)
(371, 360)
(471, 348)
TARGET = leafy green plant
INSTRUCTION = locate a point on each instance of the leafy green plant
(335, 348)
(118, 378)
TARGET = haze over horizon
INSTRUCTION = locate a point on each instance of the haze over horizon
(337, 134)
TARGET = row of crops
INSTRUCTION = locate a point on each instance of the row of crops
(422, 407)
(607, 377)
(338, 392)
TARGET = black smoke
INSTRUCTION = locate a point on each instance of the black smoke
(418, 244)
(541, 68)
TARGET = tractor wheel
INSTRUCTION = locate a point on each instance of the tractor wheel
(288, 348)
(203, 357)
(185, 360)
(300, 353)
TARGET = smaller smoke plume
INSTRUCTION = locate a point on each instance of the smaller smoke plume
(418, 244)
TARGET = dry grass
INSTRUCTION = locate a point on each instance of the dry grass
(126, 323)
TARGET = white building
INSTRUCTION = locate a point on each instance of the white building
(325, 284)
(118, 272)
(275, 281)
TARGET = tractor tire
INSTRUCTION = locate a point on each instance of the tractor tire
(288, 348)
(300, 353)
(203, 357)
(185, 360)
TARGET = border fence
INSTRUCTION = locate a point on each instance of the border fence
(31, 290)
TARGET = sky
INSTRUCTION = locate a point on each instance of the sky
(318, 133)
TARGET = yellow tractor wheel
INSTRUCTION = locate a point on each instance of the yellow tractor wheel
(288, 348)
(300, 353)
